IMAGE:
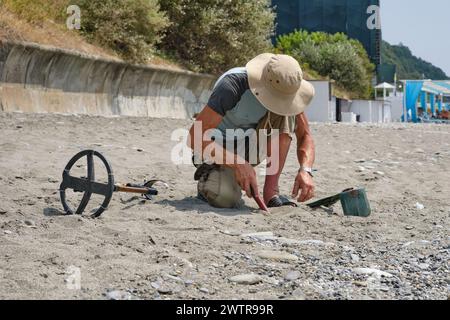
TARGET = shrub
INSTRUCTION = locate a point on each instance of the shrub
(214, 35)
(36, 11)
(335, 56)
(129, 27)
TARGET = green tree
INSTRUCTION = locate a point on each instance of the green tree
(331, 55)
(129, 27)
(408, 65)
(214, 35)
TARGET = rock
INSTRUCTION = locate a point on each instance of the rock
(360, 169)
(29, 223)
(409, 228)
(314, 242)
(53, 180)
(7, 232)
(118, 295)
(355, 257)
(188, 283)
(165, 290)
(419, 206)
(277, 256)
(155, 285)
(372, 272)
(379, 173)
(246, 279)
(360, 283)
(292, 275)
(229, 233)
(259, 235)
(3, 211)
(204, 290)
(423, 266)
(298, 294)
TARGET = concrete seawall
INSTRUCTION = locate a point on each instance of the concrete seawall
(36, 78)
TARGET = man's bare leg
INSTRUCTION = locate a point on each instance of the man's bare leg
(271, 186)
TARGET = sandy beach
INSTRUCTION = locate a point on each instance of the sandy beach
(175, 246)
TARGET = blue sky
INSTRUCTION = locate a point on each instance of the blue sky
(422, 25)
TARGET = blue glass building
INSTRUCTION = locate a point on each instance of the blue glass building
(351, 17)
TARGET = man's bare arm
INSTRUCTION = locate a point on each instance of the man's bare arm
(244, 173)
(306, 152)
(304, 184)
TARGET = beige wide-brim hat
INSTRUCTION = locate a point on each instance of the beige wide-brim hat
(277, 82)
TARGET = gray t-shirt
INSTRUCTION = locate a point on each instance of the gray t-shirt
(233, 99)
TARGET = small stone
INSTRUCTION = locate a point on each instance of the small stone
(360, 169)
(298, 294)
(188, 283)
(7, 232)
(360, 160)
(419, 206)
(118, 295)
(355, 257)
(373, 272)
(379, 173)
(53, 180)
(409, 228)
(204, 290)
(229, 233)
(246, 279)
(292, 275)
(424, 266)
(360, 283)
(29, 223)
(3, 211)
(277, 256)
(165, 291)
(259, 235)
(155, 285)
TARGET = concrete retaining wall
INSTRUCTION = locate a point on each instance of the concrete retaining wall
(43, 79)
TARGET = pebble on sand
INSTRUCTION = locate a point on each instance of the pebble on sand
(118, 295)
(372, 272)
(247, 279)
(277, 256)
(292, 275)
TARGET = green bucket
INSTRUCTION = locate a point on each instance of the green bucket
(355, 203)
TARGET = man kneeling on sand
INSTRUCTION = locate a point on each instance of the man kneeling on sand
(251, 116)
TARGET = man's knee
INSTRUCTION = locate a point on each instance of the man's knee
(220, 189)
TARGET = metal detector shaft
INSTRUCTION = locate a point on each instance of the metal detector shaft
(135, 189)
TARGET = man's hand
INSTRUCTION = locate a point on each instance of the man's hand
(246, 177)
(305, 184)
